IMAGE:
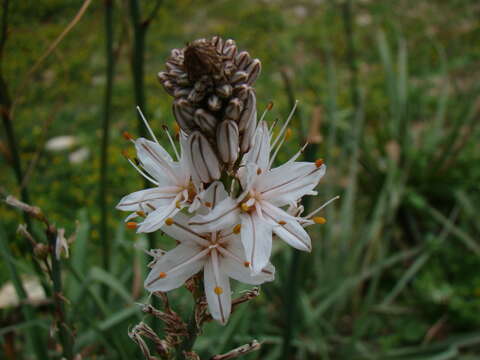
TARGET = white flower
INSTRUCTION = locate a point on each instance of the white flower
(259, 208)
(173, 190)
(219, 254)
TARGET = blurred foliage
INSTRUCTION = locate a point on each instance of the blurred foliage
(393, 274)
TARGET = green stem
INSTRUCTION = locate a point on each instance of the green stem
(106, 246)
(347, 10)
(65, 333)
(293, 283)
(33, 334)
(192, 333)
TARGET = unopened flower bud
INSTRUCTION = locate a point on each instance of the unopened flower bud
(227, 141)
(203, 161)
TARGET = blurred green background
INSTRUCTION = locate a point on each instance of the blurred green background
(389, 96)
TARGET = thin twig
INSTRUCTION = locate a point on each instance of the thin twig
(241, 350)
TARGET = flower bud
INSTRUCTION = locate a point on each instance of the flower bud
(203, 161)
(227, 141)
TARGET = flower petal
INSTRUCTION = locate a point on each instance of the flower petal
(181, 231)
(155, 160)
(259, 154)
(156, 219)
(175, 267)
(217, 290)
(256, 236)
(223, 216)
(289, 182)
(155, 197)
(235, 266)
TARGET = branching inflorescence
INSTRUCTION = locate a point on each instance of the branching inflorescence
(219, 197)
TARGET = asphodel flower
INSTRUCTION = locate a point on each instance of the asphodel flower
(173, 188)
(258, 210)
(218, 253)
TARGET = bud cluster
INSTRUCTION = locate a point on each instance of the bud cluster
(211, 81)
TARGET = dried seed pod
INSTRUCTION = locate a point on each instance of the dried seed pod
(227, 141)
(203, 161)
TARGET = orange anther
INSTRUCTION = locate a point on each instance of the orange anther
(131, 225)
(236, 229)
(246, 263)
(270, 105)
(208, 204)
(169, 221)
(259, 171)
(319, 220)
(218, 290)
(162, 275)
(126, 135)
(319, 163)
(141, 213)
(288, 134)
(245, 207)
(281, 222)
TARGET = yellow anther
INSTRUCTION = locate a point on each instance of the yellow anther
(125, 154)
(208, 204)
(259, 171)
(178, 204)
(319, 220)
(126, 135)
(176, 129)
(288, 134)
(169, 221)
(218, 290)
(162, 275)
(246, 264)
(131, 225)
(141, 213)
(281, 222)
(236, 229)
(319, 162)
(245, 207)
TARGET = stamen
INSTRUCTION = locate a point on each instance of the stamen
(165, 128)
(146, 125)
(321, 207)
(259, 171)
(127, 136)
(162, 275)
(319, 220)
(141, 213)
(142, 173)
(236, 229)
(245, 207)
(319, 162)
(176, 129)
(281, 222)
(267, 109)
(288, 134)
(284, 127)
(208, 204)
(218, 290)
(131, 225)
(246, 264)
(169, 221)
(178, 204)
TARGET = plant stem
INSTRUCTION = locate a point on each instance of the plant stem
(106, 246)
(188, 343)
(292, 285)
(28, 312)
(347, 10)
(65, 333)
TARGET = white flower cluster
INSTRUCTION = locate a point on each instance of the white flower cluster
(227, 234)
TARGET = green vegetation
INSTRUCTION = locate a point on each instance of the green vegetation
(393, 87)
